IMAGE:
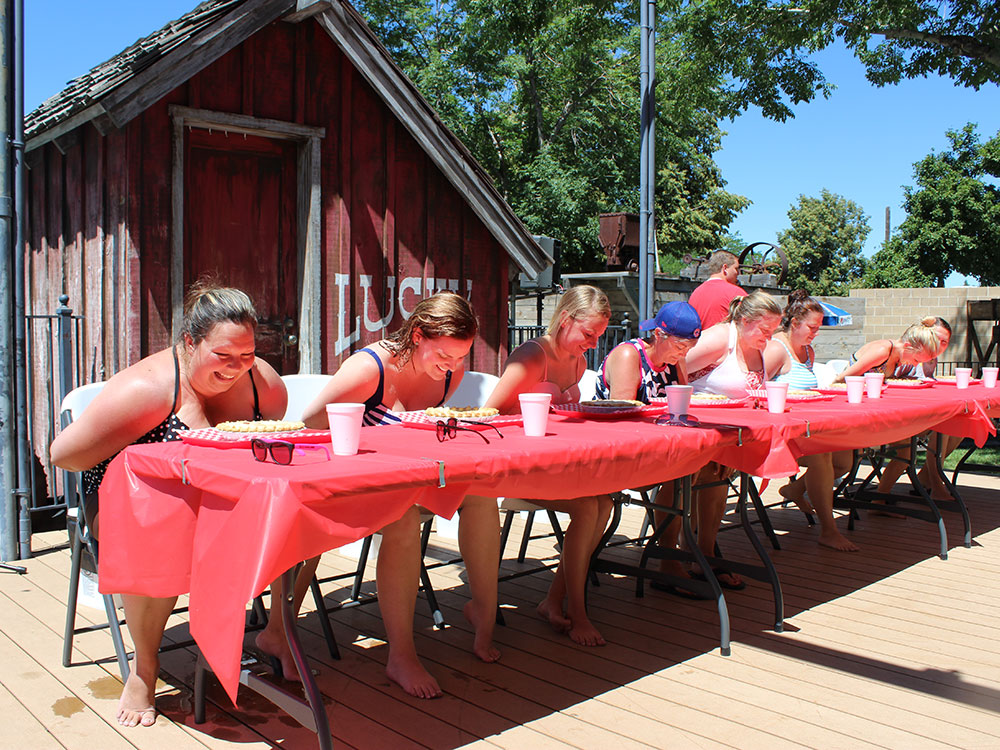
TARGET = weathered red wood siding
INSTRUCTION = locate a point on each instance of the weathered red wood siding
(101, 215)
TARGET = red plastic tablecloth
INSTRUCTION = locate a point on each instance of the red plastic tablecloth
(216, 523)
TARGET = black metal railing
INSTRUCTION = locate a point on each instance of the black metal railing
(54, 353)
(613, 336)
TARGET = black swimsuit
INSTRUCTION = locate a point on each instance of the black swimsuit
(165, 432)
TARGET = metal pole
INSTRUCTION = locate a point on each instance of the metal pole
(23, 490)
(643, 160)
(8, 518)
(647, 155)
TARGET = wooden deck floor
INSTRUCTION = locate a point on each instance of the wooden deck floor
(890, 647)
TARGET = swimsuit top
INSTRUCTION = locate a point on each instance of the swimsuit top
(570, 395)
(377, 413)
(165, 432)
(727, 378)
(900, 371)
(652, 382)
(800, 375)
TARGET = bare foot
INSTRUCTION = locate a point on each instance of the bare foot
(410, 675)
(800, 500)
(554, 615)
(836, 540)
(584, 633)
(276, 645)
(887, 513)
(673, 568)
(482, 646)
(135, 707)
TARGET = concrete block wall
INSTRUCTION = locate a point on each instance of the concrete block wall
(890, 311)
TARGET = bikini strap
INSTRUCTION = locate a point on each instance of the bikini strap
(177, 381)
(447, 385)
(376, 398)
(256, 399)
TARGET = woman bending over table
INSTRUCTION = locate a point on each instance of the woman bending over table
(416, 367)
(728, 360)
(642, 369)
(790, 356)
(895, 358)
(209, 376)
(940, 445)
(554, 363)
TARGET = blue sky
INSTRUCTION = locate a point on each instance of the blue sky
(860, 143)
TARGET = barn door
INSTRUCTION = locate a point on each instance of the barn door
(240, 226)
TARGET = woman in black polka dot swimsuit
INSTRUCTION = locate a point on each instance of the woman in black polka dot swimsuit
(210, 376)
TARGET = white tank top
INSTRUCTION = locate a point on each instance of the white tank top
(728, 378)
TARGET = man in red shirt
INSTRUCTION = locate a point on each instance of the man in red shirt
(712, 297)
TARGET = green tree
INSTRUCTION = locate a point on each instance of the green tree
(953, 216)
(762, 47)
(824, 244)
(545, 95)
(894, 266)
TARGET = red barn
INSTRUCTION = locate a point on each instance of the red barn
(275, 143)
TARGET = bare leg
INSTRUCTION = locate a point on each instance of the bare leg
(795, 491)
(146, 618)
(670, 537)
(895, 468)
(588, 519)
(941, 445)
(710, 506)
(479, 542)
(271, 640)
(819, 477)
(398, 575)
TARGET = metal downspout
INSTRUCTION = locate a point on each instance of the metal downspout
(23, 491)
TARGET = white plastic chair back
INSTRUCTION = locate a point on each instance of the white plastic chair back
(302, 389)
(824, 374)
(588, 385)
(77, 400)
(474, 389)
(838, 365)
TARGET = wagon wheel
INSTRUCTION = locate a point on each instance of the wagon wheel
(765, 257)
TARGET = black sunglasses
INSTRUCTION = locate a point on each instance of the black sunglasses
(281, 450)
(449, 429)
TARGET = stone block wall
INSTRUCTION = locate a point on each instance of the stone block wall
(889, 311)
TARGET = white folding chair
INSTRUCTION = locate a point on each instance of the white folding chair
(838, 365)
(824, 374)
(588, 385)
(474, 389)
(83, 545)
(302, 389)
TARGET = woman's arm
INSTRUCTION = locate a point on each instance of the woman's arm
(355, 382)
(131, 404)
(776, 359)
(522, 371)
(623, 372)
(271, 392)
(710, 349)
(867, 357)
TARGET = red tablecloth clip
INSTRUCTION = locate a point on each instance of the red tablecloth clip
(184, 479)
(440, 463)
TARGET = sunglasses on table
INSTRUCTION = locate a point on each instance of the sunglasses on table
(449, 429)
(281, 450)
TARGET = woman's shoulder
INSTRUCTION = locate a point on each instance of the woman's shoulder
(531, 351)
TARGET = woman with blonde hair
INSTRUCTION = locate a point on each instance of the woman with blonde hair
(895, 357)
(554, 363)
(416, 367)
(728, 360)
(209, 376)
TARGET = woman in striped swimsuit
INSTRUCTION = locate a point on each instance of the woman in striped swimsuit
(790, 355)
(416, 367)
(209, 376)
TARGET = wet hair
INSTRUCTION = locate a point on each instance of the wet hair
(577, 302)
(921, 336)
(208, 304)
(442, 314)
(753, 306)
(942, 323)
(721, 258)
(800, 304)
